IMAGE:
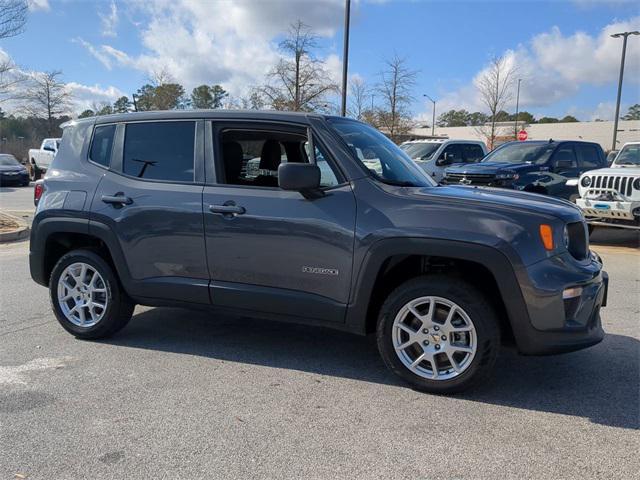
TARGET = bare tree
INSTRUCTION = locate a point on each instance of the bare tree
(494, 86)
(10, 78)
(299, 82)
(359, 97)
(47, 97)
(13, 17)
(395, 88)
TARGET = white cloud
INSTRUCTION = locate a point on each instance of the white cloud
(553, 67)
(38, 5)
(82, 96)
(109, 20)
(231, 43)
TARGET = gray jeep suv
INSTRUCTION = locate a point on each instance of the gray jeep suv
(334, 226)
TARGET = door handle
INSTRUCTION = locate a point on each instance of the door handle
(229, 209)
(119, 199)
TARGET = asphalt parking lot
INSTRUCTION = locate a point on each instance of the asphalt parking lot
(179, 394)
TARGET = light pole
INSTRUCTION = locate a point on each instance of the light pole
(624, 36)
(515, 127)
(433, 121)
(345, 56)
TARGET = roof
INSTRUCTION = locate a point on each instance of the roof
(198, 114)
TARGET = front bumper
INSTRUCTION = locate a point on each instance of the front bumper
(12, 178)
(558, 325)
(618, 210)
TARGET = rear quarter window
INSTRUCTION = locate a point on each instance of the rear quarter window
(588, 155)
(102, 144)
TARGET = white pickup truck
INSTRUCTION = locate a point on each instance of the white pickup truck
(611, 196)
(41, 158)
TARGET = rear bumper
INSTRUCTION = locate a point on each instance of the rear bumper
(558, 324)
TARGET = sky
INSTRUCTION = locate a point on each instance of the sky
(563, 51)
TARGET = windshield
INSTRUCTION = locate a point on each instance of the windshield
(379, 155)
(421, 151)
(536, 153)
(629, 155)
(8, 161)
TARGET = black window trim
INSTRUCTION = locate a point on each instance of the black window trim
(198, 160)
(113, 145)
(220, 125)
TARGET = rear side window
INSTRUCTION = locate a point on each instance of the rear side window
(159, 151)
(588, 156)
(472, 153)
(565, 155)
(102, 144)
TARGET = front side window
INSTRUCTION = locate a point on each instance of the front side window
(252, 157)
(588, 156)
(565, 157)
(523, 152)
(102, 144)
(453, 153)
(379, 155)
(159, 151)
(472, 153)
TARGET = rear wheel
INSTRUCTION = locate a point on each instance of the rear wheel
(34, 172)
(439, 334)
(86, 296)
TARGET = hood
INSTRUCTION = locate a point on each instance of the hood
(622, 171)
(12, 168)
(506, 198)
(492, 167)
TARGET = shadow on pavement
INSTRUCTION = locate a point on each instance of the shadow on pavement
(615, 237)
(600, 383)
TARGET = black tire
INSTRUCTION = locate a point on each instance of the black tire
(480, 311)
(119, 308)
(34, 173)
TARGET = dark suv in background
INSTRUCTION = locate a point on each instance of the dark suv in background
(336, 227)
(533, 166)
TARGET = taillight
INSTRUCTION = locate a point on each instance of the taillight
(38, 190)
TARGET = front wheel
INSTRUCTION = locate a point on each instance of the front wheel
(439, 334)
(86, 296)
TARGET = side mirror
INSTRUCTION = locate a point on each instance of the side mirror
(445, 159)
(298, 176)
(564, 164)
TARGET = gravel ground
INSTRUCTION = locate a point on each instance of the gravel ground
(181, 394)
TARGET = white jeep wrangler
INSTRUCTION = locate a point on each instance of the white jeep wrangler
(611, 196)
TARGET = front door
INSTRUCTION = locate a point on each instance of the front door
(272, 250)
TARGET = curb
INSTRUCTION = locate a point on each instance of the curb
(18, 234)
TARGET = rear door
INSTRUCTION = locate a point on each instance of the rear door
(589, 157)
(268, 249)
(150, 198)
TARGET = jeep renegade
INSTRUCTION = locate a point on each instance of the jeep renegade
(332, 225)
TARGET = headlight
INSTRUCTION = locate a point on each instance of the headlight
(586, 181)
(507, 176)
(636, 184)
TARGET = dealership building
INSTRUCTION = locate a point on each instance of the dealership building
(599, 132)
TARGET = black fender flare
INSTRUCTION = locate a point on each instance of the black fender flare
(502, 267)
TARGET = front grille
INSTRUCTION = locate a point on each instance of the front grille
(623, 185)
(470, 178)
(578, 240)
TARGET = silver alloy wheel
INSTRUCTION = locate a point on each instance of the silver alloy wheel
(82, 294)
(434, 338)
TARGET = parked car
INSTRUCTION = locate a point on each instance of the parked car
(611, 196)
(534, 166)
(41, 158)
(152, 208)
(434, 155)
(12, 172)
